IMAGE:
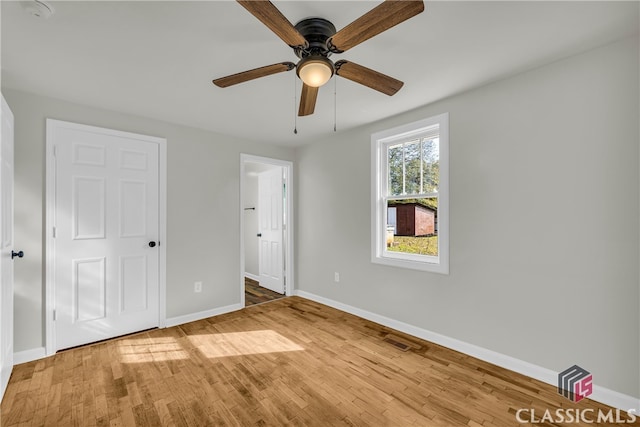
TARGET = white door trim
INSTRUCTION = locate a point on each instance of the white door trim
(288, 256)
(7, 358)
(52, 125)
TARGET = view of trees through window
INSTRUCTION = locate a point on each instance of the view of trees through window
(412, 199)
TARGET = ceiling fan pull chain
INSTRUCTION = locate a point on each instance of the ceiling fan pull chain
(295, 104)
(335, 103)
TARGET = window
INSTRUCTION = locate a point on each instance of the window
(410, 194)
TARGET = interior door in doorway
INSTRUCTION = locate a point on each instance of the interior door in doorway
(271, 229)
(106, 234)
(6, 247)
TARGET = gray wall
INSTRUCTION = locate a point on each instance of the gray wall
(203, 227)
(544, 220)
(250, 196)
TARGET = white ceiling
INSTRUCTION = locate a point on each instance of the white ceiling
(157, 59)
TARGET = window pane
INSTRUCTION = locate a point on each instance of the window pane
(394, 154)
(412, 226)
(431, 165)
(412, 167)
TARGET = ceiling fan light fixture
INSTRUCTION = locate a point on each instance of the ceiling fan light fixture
(315, 71)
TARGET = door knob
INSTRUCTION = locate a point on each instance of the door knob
(259, 234)
(17, 254)
(152, 244)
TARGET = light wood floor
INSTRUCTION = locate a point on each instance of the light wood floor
(256, 294)
(287, 362)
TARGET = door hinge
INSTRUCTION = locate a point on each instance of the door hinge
(54, 315)
(55, 150)
(54, 232)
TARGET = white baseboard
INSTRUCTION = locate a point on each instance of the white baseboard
(40, 352)
(252, 276)
(29, 355)
(192, 317)
(600, 394)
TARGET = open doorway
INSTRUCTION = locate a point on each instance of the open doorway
(266, 242)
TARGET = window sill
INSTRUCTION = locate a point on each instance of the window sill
(432, 267)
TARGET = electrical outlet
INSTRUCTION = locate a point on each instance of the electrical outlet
(197, 287)
(336, 277)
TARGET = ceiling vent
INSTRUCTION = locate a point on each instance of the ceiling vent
(39, 9)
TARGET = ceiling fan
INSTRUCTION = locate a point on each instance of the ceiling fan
(315, 39)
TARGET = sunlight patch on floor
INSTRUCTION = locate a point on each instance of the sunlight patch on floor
(150, 350)
(243, 343)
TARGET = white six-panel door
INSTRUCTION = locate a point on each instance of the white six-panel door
(270, 213)
(6, 247)
(106, 233)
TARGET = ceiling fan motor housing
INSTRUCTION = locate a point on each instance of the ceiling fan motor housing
(316, 31)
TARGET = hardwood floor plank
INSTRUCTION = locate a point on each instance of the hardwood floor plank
(256, 294)
(290, 362)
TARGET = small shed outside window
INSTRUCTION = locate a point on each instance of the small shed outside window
(412, 219)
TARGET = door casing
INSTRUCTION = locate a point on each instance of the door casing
(50, 339)
(6, 267)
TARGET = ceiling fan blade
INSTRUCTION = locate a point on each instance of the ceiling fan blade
(254, 74)
(368, 77)
(379, 19)
(270, 16)
(307, 100)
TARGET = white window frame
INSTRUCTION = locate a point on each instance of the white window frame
(379, 143)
